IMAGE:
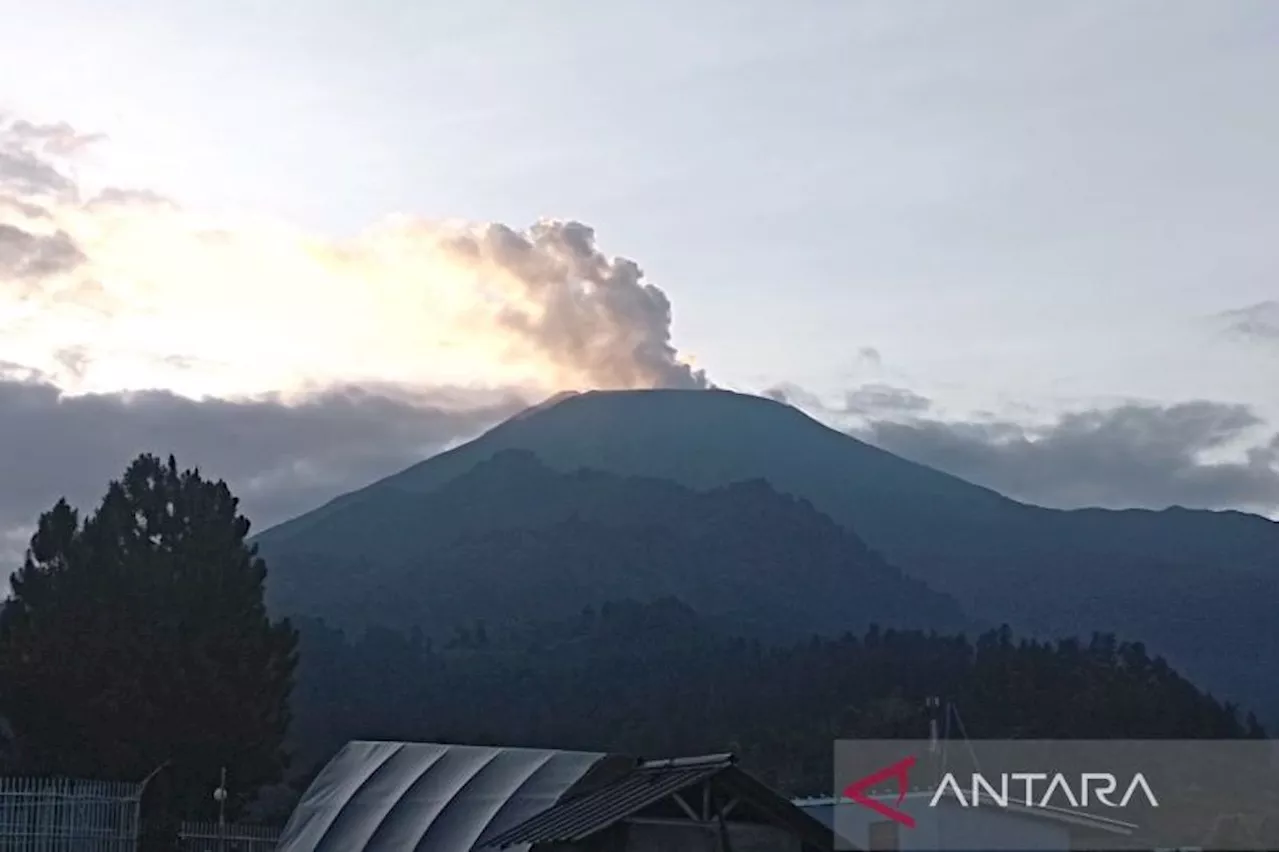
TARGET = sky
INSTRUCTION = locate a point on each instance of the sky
(303, 245)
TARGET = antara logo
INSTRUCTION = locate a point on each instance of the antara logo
(900, 771)
(1058, 791)
(1037, 789)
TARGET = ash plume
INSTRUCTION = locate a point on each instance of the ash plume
(151, 294)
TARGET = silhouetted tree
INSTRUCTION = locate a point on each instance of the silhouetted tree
(139, 637)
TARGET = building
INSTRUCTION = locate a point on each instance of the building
(953, 826)
(429, 797)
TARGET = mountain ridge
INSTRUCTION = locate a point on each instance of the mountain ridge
(409, 477)
(1190, 582)
(492, 440)
(556, 427)
(513, 539)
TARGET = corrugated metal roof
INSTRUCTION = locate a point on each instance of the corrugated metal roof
(595, 810)
(427, 796)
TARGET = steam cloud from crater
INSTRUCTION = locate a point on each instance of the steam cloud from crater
(109, 288)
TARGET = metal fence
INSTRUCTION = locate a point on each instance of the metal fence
(232, 837)
(64, 814)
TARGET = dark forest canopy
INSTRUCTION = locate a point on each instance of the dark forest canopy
(653, 679)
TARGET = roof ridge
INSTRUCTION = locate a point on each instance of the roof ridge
(721, 759)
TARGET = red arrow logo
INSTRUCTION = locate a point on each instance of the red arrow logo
(857, 790)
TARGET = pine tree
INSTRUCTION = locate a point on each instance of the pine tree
(139, 638)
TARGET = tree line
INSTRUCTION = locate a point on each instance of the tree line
(653, 679)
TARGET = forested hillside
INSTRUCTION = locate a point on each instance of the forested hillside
(514, 539)
(653, 679)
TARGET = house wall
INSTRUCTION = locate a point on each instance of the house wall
(664, 838)
(761, 838)
(742, 837)
(612, 839)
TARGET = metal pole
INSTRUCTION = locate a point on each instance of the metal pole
(142, 789)
(220, 795)
(932, 704)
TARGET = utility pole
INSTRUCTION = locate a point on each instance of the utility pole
(936, 749)
(220, 796)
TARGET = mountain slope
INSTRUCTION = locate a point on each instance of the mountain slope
(701, 439)
(513, 539)
(1198, 586)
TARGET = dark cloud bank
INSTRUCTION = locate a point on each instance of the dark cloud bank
(1198, 454)
(280, 459)
(1133, 455)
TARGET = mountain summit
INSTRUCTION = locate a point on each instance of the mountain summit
(699, 438)
(1194, 585)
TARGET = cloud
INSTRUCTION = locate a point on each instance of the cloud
(1197, 454)
(25, 173)
(28, 257)
(29, 158)
(134, 281)
(870, 356)
(793, 394)
(1256, 322)
(114, 196)
(58, 139)
(279, 458)
(28, 210)
(1134, 455)
(874, 400)
(72, 359)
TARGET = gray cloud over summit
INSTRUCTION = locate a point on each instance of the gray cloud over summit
(280, 458)
(1132, 455)
(1198, 454)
